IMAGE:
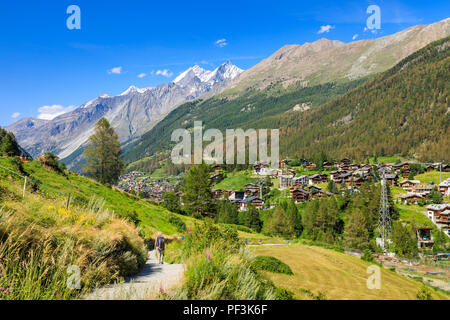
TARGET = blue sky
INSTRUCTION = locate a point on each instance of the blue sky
(44, 64)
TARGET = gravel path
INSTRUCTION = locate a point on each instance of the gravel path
(152, 279)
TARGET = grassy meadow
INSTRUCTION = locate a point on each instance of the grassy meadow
(336, 276)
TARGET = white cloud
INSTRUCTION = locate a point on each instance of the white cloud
(325, 29)
(221, 43)
(15, 115)
(51, 112)
(165, 73)
(116, 70)
(355, 36)
(365, 29)
(142, 75)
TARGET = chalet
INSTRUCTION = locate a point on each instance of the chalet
(275, 173)
(251, 189)
(346, 161)
(286, 181)
(302, 180)
(327, 164)
(354, 166)
(439, 214)
(422, 188)
(382, 169)
(260, 169)
(334, 174)
(445, 168)
(391, 179)
(217, 169)
(317, 192)
(402, 168)
(342, 178)
(217, 193)
(355, 181)
(242, 205)
(444, 187)
(408, 185)
(310, 165)
(344, 167)
(317, 179)
(412, 198)
(236, 196)
(362, 172)
(299, 194)
(424, 238)
(216, 178)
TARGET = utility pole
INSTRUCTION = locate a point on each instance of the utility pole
(384, 222)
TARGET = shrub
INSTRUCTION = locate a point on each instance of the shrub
(177, 222)
(424, 293)
(271, 264)
(284, 294)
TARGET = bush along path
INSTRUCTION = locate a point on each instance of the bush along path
(153, 279)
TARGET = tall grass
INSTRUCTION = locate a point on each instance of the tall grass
(218, 267)
(40, 239)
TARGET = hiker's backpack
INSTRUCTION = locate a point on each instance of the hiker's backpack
(160, 243)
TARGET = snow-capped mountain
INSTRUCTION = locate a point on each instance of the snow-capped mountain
(131, 113)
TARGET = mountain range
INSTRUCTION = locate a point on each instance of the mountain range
(296, 78)
(131, 113)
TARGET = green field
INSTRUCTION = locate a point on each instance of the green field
(236, 181)
(410, 212)
(338, 276)
(432, 176)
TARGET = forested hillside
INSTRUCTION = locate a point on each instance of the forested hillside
(402, 111)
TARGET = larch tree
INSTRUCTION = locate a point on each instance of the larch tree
(103, 154)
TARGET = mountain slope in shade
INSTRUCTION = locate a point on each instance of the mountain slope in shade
(131, 113)
(329, 61)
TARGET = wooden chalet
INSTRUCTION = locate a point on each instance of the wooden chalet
(392, 179)
(216, 178)
(317, 179)
(422, 188)
(412, 198)
(402, 168)
(408, 185)
(444, 188)
(251, 189)
(299, 194)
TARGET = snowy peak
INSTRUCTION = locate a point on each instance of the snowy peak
(133, 90)
(226, 71)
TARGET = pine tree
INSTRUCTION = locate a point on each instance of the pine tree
(227, 213)
(356, 234)
(103, 154)
(197, 196)
(252, 220)
(171, 202)
(279, 224)
(8, 146)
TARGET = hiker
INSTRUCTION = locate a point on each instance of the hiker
(159, 246)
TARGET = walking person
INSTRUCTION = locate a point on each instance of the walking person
(160, 246)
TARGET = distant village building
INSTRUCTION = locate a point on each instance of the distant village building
(216, 178)
(286, 181)
(439, 214)
(317, 179)
(251, 189)
(392, 179)
(402, 168)
(422, 188)
(299, 194)
(444, 187)
(408, 185)
(424, 238)
(302, 180)
(261, 169)
(412, 198)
